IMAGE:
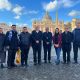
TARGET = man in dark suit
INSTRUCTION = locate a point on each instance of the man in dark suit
(12, 44)
(47, 42)
(2, 47)
(24, 46)
(36, 44)
(66, 44)
(76, 41)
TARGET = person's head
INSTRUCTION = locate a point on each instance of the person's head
(66, 28)
(37, 28)
(56, 30)
(25, 29)
(1, 30)
(47, 29)
(60, 31)
(78, 24)
(13, 27)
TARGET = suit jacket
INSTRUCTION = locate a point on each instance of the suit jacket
(14, 42)
(36, 36)
(25, 39)
(2, 41)
(76, 36)
(66, 40)
(47, 37)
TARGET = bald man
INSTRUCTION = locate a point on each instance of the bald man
(47, 41)
(66, 44)
(36, 44)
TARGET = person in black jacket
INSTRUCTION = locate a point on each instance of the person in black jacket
(37, 44)
(24, 45)
(66, 44)
(76, 41)
(47, 43)
(12, 44)
(2, 47)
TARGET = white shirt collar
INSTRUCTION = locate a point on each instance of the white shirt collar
(37, 31)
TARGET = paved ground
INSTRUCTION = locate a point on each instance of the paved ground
(44, 71)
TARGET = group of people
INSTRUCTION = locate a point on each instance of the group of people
(12, 41)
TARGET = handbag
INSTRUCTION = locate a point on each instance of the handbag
(18, 56)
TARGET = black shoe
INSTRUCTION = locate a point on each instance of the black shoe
(22, 65)
(75, 62)
(26, 65)
(2, 66)
(49, 61)
(64, 62)
(57, 62)
(13, 65)
(39, 63)
(9, 67)
(35, 63)
(68, 62)
(45, 61)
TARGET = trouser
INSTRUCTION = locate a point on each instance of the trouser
(66, 52)
(2, 56)
(37, 54)
(58, 50)
(11, 57)
(47, 52)
(24, 55)
(75, 50)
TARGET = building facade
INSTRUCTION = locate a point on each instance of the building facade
(6, 28)
(73, 23)
(48, 22)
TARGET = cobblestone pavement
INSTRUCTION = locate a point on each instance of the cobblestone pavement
(49, 71)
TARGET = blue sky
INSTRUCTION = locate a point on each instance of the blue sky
(23, 12)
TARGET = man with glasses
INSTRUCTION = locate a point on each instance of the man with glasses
(36, 45)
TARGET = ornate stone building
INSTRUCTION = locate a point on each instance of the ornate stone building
(48, 22)
(7, 28)
(73, 23)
